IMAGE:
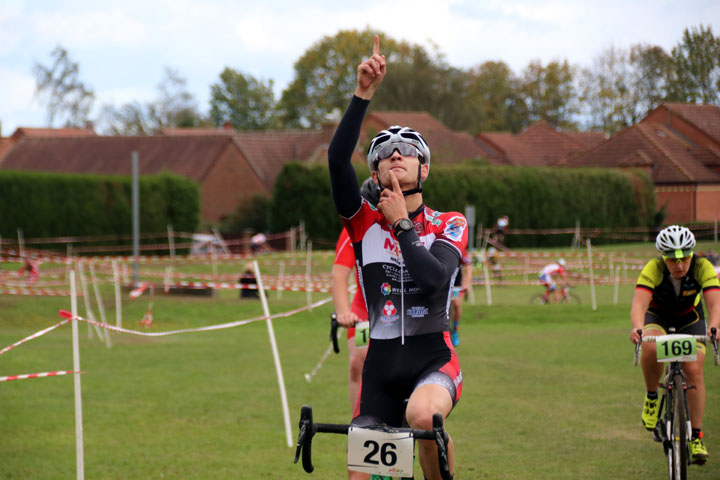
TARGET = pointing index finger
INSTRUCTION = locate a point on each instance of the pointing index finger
(376, 46)
(395, 183)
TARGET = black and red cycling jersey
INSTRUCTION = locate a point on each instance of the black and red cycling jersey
(397, 305)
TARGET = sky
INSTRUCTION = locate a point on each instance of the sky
(123, 48)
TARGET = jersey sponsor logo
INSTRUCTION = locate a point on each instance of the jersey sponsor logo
(385, 288)
(433, 218)
(458, 380)
(392, 248)
(418, 311)
(689, 292)
(389, 314)
(455, 227)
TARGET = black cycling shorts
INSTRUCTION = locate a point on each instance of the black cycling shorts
(393, 371)
(691, 323)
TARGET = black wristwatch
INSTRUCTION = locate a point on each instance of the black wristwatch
(402, 225)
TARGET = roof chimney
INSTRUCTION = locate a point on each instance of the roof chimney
(228, 126)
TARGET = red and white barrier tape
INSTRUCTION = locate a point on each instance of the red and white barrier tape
(42, 292)
(34, 335)
(25, 376)
(221, 326)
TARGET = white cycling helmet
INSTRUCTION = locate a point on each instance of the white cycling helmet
(561, 262)
(675, 241)
(397, 135)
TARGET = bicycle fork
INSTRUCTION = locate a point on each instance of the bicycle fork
(666, 436)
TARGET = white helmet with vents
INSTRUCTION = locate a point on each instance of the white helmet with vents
(675, 240)
(385, 143)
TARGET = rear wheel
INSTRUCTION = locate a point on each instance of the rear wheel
(678, 453)
(571, 298)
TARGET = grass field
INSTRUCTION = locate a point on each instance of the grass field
(549, 392)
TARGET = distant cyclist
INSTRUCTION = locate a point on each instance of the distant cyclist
(667, 295)
(547, 277)
(501, 226)
(408, 255)
(349, 314)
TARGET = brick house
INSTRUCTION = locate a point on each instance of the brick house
(215, 162)
(678, 145)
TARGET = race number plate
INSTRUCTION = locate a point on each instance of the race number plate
(380, 453)
(676, 348)
(362, 333)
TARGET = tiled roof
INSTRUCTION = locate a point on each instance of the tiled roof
(550, 144)
(509, 147)
(25, 132)
(671, 157)
(704, 117)
(590, 139)
(191, 157)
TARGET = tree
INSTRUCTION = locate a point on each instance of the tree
(696, 61)
(549, 93)
(493, 98)
(65, 95)
(606, 92)
(325, 76)
(652, 73)
(175, 107)
(248, 103)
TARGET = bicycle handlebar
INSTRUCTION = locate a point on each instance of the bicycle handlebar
(703, 338)
(308, 429)
(333, 332)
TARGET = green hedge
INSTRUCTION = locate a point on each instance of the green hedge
(533, 198)
(52, 204)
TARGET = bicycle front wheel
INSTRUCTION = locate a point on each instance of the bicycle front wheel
(537, 299)
(678, 453)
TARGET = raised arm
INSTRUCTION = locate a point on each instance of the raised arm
(345, 190)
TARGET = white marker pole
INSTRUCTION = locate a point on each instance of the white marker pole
(592, 278)
(281, 275)
(118, 296)
(276, 356)
(617, 282)
(88, 309)
(79, 455)
(308, 270)
(101, 307)
(487, 279)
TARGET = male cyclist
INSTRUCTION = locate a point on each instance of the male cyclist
(349, 314)
(546, 278)
(408, 257)
(667, 295)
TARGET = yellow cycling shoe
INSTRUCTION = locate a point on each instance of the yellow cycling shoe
(650, 412)
(698, 452)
